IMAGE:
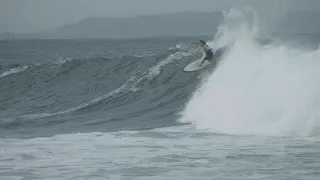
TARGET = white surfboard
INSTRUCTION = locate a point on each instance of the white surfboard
(195, 66)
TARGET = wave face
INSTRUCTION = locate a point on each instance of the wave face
(124, 85)
(262, 85)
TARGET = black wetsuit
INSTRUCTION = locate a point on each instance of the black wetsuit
(209, 53)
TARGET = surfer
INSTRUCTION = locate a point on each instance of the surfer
(209, 55)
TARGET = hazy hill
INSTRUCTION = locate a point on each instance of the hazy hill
(176, 24)
(183, 24)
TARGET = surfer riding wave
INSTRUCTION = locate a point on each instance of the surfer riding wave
(208, 52)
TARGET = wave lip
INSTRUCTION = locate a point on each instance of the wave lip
(14, 71)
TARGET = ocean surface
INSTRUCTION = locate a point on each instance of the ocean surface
(123, 109)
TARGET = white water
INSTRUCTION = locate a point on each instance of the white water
(260, 90)
(13, 71)
(169, 153)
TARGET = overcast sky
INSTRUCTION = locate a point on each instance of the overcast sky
(35, 15)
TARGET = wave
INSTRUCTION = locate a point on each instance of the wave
(256, 88)
(120, 79)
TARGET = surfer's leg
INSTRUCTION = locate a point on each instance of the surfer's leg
(208, 57)
(203, 59)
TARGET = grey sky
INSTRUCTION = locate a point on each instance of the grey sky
(35, 15)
